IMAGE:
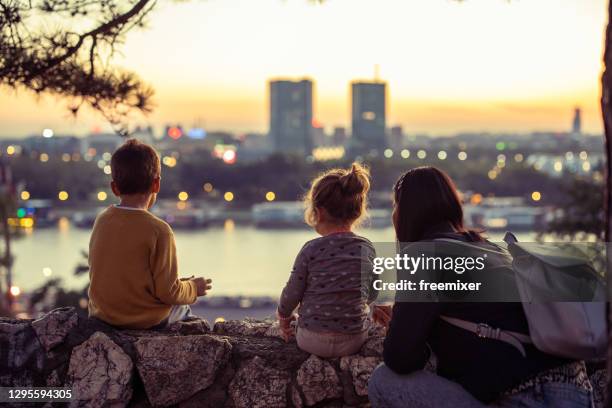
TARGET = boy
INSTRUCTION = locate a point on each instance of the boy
(132, 255)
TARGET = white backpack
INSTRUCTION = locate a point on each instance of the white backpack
(544, 273)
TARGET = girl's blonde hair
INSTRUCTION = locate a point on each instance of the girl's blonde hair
(341, 193)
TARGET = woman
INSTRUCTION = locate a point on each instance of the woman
(472, 371)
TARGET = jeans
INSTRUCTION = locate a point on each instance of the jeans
(422, 389)
(558, 395)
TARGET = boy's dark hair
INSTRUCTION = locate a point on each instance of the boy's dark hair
(134, 167)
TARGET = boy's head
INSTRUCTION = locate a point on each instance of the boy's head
(136, 170)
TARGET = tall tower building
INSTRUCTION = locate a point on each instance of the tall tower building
(369, 110)
(339, 136)
(291, 116)
(577, 123)
(396, 137)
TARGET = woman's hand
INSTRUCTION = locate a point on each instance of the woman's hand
(382, 314)
(284, 324)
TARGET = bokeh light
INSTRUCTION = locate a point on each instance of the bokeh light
(229, 156)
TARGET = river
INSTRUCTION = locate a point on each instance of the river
(241, 260)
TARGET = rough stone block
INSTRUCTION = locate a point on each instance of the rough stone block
(52, 328)
(100, 373)
(318, 380)
(174, 368)
(256, 385)
(360, 369)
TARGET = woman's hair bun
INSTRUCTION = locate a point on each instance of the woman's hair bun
(356, 180)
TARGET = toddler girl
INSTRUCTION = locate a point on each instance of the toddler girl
(326, 280)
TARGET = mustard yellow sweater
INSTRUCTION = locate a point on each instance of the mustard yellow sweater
(133, 269)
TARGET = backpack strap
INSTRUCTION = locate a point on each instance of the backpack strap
(485, 331)
(510, 238)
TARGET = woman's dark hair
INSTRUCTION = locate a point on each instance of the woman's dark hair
(426, 197)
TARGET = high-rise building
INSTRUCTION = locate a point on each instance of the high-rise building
(291, 116)
(339, 136)
(318, 135)
(577, 123)
(368, 115)
(396, 137)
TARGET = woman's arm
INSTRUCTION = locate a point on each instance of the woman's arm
(405, 347)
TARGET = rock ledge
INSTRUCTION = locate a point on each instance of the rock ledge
(234, 364)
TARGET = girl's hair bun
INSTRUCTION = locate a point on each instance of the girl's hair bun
(355, 181)
(341, 193)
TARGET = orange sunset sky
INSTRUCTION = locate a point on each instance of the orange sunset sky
(480, 65)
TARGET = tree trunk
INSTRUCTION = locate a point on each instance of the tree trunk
(606, 109)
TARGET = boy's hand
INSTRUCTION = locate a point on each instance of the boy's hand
(202, 285)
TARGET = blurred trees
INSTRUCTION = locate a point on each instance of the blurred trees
(52, 294)
(581, 212)
(286, 175)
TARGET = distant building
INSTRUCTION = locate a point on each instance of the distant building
(369, 110)
(319, 138)
(53, 145)
(396, 137)
(291, 116)
(96, 144)
(144, 134)
(577, 123)
(339, 136)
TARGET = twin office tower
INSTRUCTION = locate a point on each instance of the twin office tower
(291, 116)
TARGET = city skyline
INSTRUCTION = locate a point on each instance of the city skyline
(507, 66)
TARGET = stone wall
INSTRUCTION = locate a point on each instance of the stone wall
(234, 364)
